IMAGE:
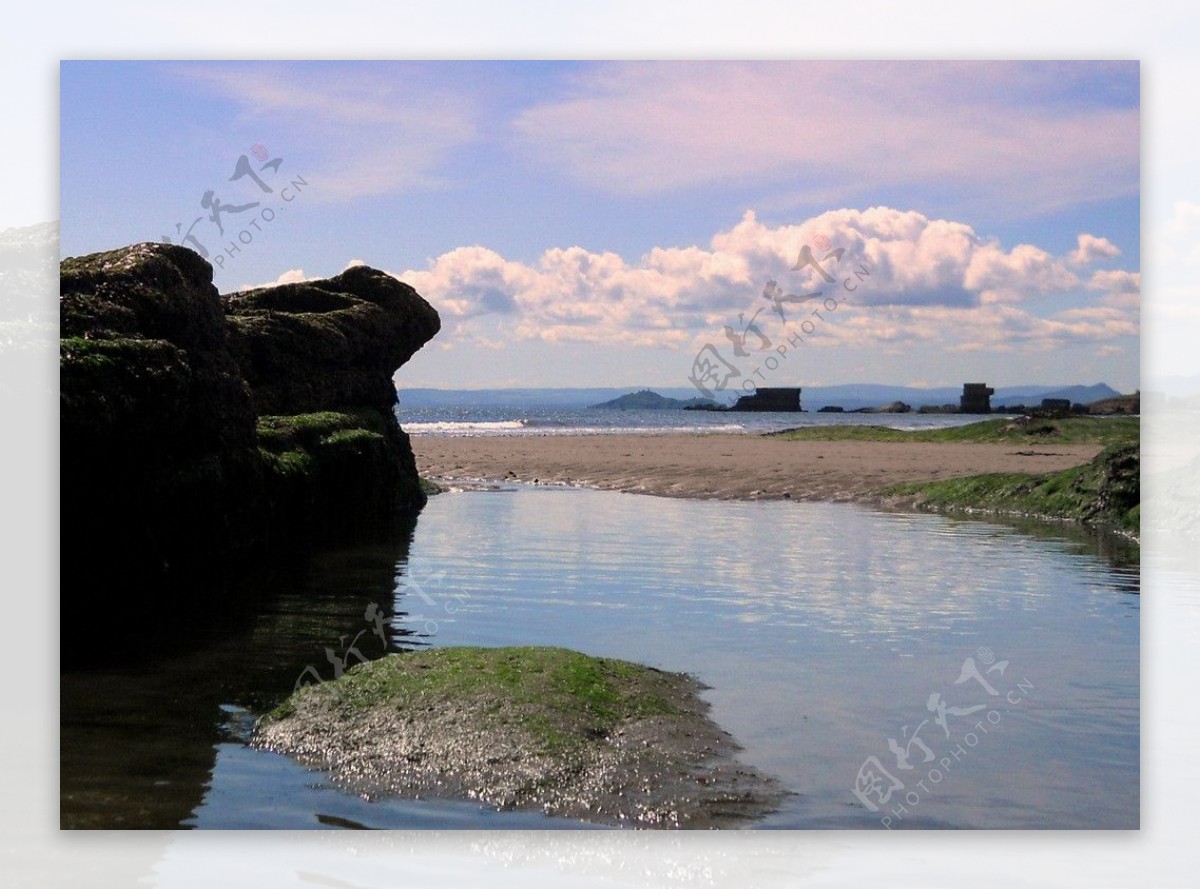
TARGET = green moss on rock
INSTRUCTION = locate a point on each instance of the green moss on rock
(528, 726)
(1106, 491)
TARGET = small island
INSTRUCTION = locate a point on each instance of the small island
(648, 400)
(528, 727)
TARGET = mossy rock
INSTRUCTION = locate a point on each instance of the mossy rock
(333, 474)
(1104, 492)
(172, 479)
(526, 727)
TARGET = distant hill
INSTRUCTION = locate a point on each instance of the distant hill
(850, 396)
(507, 398)
(647, 400)
(1131, 404)
(1083, 395)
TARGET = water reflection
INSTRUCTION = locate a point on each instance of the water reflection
(138, 731)
(822, 630)
(837, 567)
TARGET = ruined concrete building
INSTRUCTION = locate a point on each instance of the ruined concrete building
(976, 399)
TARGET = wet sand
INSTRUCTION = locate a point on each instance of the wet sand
(729, 466)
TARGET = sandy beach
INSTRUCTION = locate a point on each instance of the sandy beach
(729, 466)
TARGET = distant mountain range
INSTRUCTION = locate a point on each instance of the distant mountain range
(1084, 395)
(850, 396)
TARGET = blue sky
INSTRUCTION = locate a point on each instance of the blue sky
(593, 224)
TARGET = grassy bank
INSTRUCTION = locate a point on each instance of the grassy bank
(1105, 492)
(1023, 431)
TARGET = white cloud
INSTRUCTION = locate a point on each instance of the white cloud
(929, 280)
(1119, 287)
(1092, 248)
(1010, 277)
(295, 276)
(291, 276)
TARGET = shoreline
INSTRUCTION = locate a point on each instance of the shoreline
(731, 466)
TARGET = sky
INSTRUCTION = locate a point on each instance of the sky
(717, 224)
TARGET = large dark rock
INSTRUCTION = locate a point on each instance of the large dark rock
(770, 398)
(199, 432)
(328, 344)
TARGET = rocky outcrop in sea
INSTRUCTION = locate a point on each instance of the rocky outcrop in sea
(201, 433)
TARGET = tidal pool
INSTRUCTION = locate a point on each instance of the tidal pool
(840, 644)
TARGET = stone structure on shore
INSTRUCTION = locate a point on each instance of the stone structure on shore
(1056, 408)
(770, 398)
(976, 399)
(202, 431)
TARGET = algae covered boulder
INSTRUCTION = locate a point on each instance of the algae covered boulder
(525, 727)
(157, 426)
(201, 432)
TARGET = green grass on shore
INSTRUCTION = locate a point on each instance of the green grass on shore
(1059, 431)
(1105, 491)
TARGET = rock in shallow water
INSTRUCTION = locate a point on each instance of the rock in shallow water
(526, 727)
(199, 432)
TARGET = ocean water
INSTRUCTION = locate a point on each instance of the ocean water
(491, 420)
(822, 630)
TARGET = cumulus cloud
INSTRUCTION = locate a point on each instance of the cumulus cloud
(295, 276)
(1091, 249)
(901, 278)
(1119, 287)
(291, 276)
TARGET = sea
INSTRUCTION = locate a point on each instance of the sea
(517, 420)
